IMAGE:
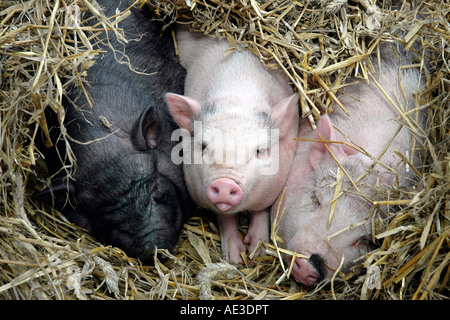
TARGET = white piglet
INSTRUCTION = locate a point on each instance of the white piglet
(327, 216)
(241, 118)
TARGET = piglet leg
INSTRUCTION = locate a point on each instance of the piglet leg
(258, 230)
(231, 241)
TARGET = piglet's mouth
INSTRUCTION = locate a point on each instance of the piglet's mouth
(223, 206)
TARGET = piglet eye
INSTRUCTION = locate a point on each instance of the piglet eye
(159, 197)
(261, 152)
(362, 241)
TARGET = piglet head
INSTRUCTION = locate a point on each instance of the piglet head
(130, 195)
(235, 156)
(333, 218)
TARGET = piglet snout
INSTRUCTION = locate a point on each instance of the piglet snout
(309, 271)
(224, 193)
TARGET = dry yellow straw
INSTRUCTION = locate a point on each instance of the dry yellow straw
(334, 276)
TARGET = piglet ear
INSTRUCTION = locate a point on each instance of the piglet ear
(286, 113)
(147, 132)
(318, 152)
(183, 109)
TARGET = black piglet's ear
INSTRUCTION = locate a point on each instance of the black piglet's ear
(147, 131)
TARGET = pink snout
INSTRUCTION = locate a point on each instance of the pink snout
(309, 271)
(224, 194)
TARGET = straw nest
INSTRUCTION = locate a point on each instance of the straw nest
(318, 44)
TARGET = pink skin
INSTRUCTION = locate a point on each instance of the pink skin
(230, 237)
(257, 231)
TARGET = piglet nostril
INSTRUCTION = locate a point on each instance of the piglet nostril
(319, 263)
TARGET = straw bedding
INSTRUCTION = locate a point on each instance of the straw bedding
(318, 44)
